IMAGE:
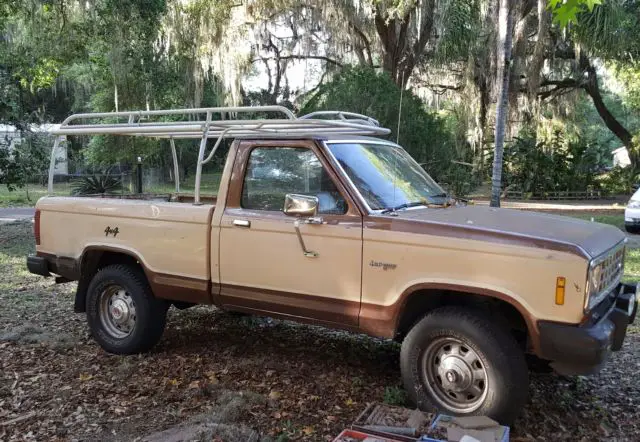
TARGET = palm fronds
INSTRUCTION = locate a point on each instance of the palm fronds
(96, 184)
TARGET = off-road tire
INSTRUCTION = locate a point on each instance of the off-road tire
(504, 362)
(151, 313)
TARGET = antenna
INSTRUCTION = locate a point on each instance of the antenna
(395, 157)
(400, 109)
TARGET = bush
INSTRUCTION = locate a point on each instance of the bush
(620, 180)
(554, 164)
(96, 184)
(364, 91)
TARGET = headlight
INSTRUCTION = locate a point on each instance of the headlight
(634, 204)
(593, 289)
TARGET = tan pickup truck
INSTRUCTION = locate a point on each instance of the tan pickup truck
(317, 221)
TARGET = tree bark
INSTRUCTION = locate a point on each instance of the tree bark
(504, 61)
(400, 50)
(537, 61)
(593, 89)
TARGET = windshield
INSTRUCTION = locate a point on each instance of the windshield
(385, 175)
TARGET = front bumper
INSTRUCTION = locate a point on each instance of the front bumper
(583, 349)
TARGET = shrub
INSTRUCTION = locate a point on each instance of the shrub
(556, 164)
(96, 184)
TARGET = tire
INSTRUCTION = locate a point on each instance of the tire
(123, 290)
(632, 229)
(480, 363)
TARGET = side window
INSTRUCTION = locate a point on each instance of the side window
(273, 172)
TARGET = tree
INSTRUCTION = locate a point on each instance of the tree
(23, 161)
(423, 134)
(504, 61)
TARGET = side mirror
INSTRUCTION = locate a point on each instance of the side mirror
(300, 205)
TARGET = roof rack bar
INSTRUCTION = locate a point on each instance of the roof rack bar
(176, 167)
(342, 115)
(203, 110)
(52, 164)
(203, 146)
(177, 130)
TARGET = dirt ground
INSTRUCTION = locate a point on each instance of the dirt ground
(258, 378)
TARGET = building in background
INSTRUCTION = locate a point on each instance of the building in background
(621, 157)
(12, 136)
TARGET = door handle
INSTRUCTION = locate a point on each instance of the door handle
(241, 223)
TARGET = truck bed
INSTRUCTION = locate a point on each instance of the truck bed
(168, 237)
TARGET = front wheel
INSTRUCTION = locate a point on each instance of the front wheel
(123, 315)
(463, 364)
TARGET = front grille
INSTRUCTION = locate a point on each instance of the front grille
(609, 270)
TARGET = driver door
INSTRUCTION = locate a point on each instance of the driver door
(263, 267)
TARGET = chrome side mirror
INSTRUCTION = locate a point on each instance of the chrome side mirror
(300, 205)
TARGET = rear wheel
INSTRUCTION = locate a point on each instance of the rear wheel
(460, 363)
(123, 315)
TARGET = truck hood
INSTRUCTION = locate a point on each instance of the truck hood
(585, 238)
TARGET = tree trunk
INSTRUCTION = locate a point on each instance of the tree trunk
(593, 89)
(115, 94)
(485, 101)
(401, 49)
(537, 61)
(504, 60)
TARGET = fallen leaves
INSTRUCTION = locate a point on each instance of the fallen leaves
(306, 383)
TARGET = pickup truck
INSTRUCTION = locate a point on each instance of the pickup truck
(320, 219)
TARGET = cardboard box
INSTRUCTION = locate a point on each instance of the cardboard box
(361, 436)
(480, 428)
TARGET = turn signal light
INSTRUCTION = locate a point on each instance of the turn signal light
(560, 284)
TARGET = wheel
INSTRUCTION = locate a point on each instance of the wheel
(459, 362)
(123, 315)
(632, 228)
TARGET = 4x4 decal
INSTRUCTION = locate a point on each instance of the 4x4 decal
(109, 231)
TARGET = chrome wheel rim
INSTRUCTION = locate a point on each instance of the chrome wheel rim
(455, 375)
(117, 312)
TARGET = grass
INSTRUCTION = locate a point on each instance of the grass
(27, 196)
(16, 242)
(616, 220)
(632, 266)
(30, 194)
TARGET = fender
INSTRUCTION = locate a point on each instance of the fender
(164, 286)
(381, 320)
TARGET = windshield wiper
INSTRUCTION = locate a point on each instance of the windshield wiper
(404, 206)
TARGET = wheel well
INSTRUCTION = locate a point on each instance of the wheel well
(91, 262)
(422, 302)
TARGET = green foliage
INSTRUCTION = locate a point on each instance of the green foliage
(364, 91)
(629, 75)
(567, 11)
(395, 396)
(96, 185)
(23, 161)
(557, 164)
(620, 181)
